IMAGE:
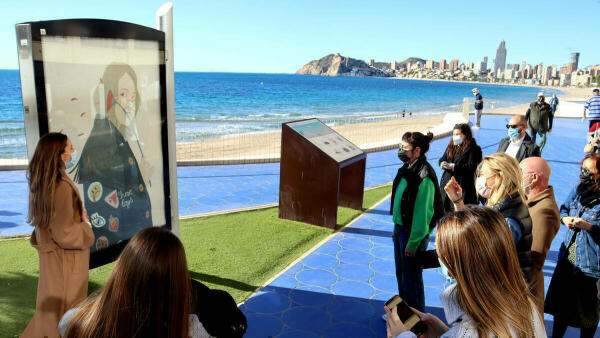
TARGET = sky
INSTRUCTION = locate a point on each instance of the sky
(280, 36)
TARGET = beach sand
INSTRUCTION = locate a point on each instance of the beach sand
(568, 109)
(268, 144)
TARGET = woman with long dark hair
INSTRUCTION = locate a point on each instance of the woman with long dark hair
(148, 294)
(570, 296)
(62, 234)
(490, 297)
(460, 161)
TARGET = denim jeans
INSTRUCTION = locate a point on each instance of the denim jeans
(478, 117)
(408, 273)
(533, 133)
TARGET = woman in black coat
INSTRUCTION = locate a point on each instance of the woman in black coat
(460, 160)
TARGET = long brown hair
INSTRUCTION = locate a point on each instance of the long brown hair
(44, 171)
(490, 287)
(452, 150)
(147, 293)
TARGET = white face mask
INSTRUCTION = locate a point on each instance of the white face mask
(457, 140)
(527, 186)
(482, 189)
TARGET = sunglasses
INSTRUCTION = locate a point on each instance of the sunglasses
(512, 126)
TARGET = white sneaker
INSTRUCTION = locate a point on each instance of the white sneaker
(475, 127)
(384, 317)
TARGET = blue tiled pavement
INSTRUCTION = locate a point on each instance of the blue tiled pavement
(340, 288)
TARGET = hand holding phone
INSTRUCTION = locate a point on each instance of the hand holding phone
(396, 307)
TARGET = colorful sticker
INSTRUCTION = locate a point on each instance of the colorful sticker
(130, 159)
(147, 214)
(113, 224)
(95, 191)
(97, 220)
(101, 243)
(112, 199)
(141, 188)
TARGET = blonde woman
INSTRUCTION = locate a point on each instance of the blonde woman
(490, 297)
(499, 181)
(62, 234)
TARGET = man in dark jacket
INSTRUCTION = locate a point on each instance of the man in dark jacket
(478, 106)
(518, 144)
(539, 120)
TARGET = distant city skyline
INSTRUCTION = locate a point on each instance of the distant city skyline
(280, 37)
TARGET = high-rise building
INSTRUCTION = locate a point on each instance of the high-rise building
(546, 75)
(500, 61)
(539, 70)
(484, 64)
(394, 65)
(571, 67)
(470, 65)
(554, 71)
(516, 67)
(429, 64)
(443, 64)
(453, 64)
(523, 64)
(371, 62)
(575, 60)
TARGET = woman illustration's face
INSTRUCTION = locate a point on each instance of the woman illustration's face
(126, 95)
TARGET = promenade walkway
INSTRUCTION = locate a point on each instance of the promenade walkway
(339, 289)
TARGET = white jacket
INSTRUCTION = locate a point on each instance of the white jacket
(461, 325)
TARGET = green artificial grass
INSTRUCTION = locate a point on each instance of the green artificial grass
(234, 252)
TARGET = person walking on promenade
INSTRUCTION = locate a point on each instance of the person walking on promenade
(518, 144)
(554, 104)
(545, 217)
(591, 108)
(416, 206)
(539, 120)
(571, 294)
(478, 107)
(460, 160)
(490, 297)
(62, 236)
(499, 182)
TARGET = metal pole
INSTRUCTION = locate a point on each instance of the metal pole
(164, 22)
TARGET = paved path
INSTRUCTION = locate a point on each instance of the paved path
(340, 288)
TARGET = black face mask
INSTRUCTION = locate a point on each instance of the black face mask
(541, 99)
(586, 177)
(402, 155)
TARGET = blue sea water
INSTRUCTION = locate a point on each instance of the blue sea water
(238, 96)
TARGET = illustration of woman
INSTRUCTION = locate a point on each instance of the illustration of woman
(115, 193)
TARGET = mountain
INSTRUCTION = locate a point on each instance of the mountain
(337, 65)
(412, 60)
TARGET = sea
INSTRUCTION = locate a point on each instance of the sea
(230, 97)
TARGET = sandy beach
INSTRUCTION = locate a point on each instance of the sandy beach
(265, 146)
(268, 145)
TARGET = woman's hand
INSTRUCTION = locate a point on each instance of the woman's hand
(582, 224)
(393, 323)
(435, 326)
(453, 190)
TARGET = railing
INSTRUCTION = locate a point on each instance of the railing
(251, 141)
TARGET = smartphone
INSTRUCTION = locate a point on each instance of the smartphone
(407, 316)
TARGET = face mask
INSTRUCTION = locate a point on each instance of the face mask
(586, 177)
(541, 99)
(513, 133)
(457, 140)
(527, 186)
(73, 160)
(482, 189)
(402, 156)
(445, 273)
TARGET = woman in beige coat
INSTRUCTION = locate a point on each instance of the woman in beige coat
(62, 234)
